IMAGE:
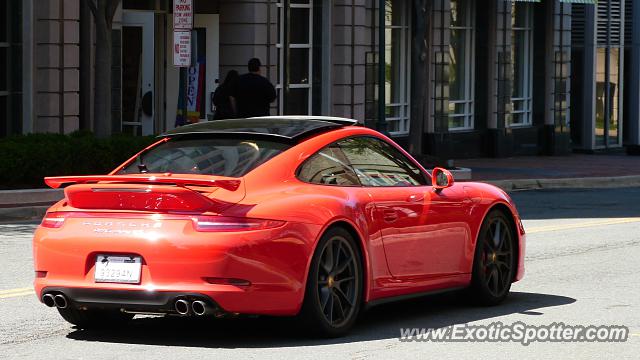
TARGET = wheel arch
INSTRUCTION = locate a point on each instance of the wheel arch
(359, 238)
(364, 255)
(506, 210)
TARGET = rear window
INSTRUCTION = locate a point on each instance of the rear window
(220, 157)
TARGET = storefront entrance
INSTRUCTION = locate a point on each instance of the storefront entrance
(138, 66)
(608, 132)
(202, 76)
(151, 86)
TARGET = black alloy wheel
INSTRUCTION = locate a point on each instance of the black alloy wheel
(494, 262)
(334, 287)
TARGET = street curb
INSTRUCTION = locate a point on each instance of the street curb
(19, 205)
(567, 183)
(459, 174)
(27, 204)
(22, 213)
(13, 198)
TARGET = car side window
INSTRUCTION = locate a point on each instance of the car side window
(378, 163)
(328, 166)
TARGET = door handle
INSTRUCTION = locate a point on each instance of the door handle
(389, 215)
(147, 103)
(415, 198)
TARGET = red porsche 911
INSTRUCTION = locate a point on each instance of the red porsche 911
(308, 216)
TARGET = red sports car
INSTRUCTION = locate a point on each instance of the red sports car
(309, 216)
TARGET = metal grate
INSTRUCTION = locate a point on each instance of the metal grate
(628, 23)
(578, 13)
(610, 16)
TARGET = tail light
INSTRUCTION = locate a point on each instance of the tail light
(226, 223)
(53, 220)
(200, 223)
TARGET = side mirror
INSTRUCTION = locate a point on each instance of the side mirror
(441, 178)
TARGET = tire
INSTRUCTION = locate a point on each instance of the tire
(95, 318)
(333, 294)
(494, 260)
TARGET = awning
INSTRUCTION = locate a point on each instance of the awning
(579, 1)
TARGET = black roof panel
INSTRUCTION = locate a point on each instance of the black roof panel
(290, 128)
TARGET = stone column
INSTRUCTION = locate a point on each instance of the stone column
(350, 44)
(57, 66)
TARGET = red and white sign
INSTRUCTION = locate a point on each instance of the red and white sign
(182, 48)
(182, 14)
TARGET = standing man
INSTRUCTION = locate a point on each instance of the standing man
(254, 93)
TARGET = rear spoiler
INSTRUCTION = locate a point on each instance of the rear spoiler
(62, 181)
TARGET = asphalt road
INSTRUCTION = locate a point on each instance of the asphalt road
(583, 266)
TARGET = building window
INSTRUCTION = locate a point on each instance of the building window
(461, 65)
(300, 65)
(397, 66)
(522, 62)
(10, 67)
(609, 72)
(561, 70)
(608, 111)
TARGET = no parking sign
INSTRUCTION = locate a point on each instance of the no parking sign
(182, 25)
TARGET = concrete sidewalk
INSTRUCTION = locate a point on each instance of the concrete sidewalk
(16, 205)
(511, 174)
(553, 172)
(552, 167)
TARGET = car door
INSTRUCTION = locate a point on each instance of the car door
(423, 233)
(330, 168)
(447, 232)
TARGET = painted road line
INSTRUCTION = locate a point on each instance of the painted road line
(10, 291)
(17, 294)
(638, 334)
(541, 229)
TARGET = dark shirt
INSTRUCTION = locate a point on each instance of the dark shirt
(253, 95)
(222, 101)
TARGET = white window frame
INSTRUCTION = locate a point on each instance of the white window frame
(527, 100)
(309, 46)
(404, 110)
(469, 62)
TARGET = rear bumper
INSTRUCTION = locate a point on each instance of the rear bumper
(178, 261)
(129, 300)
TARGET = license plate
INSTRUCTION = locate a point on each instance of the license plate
(118, 269)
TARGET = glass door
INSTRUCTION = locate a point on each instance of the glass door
(300, 62)
(138, 66)
(608, 100)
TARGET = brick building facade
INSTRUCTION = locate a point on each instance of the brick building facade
(462, 78)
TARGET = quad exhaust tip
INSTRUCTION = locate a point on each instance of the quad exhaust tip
(182, 307)
(48, 300)
(185, 307)
(199, 307)
(60, 301)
